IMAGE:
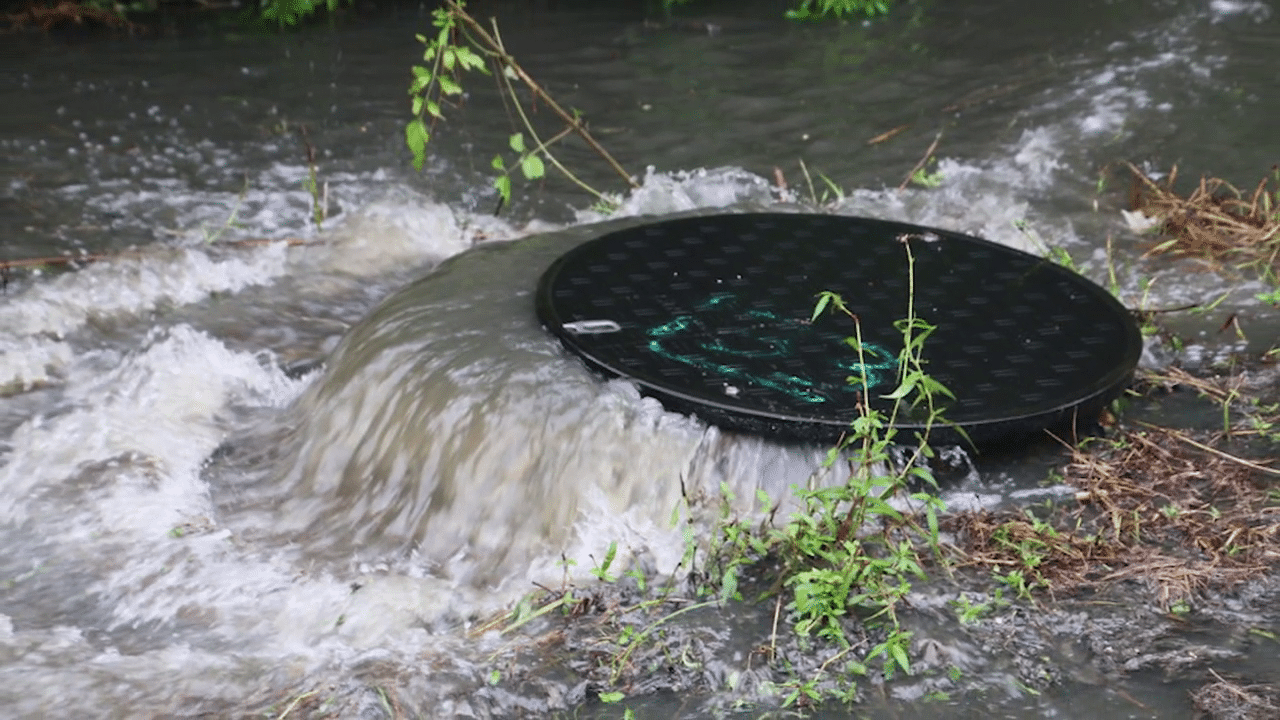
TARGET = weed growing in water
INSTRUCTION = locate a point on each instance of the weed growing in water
(846, 558)
(210, 237)
(848, 552)
(927, 178)
(848, 548)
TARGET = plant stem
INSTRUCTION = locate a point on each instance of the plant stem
(508, 61)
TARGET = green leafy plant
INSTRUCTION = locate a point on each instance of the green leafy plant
(461, 44)
(290, 12)
(819, 9)
(436, 82)
(530, 166)
(834, 566)
(1016, 581)
(231, 222)
(831, 193)
(927, 178)
(969, 612)
(602, 571)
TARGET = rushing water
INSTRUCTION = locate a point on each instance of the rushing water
(230, 474)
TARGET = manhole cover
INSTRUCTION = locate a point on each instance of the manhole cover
(710, 315)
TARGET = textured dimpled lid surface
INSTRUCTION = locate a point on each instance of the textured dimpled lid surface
(711, 316)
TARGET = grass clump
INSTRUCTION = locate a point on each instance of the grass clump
(1216, 221)
(1153, 506)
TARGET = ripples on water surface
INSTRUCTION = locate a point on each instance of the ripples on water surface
(186, 507)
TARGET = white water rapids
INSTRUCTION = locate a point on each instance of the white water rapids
(229, 475)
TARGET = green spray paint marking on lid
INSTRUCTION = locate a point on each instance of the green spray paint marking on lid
(718, 351)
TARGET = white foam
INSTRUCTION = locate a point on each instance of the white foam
(665, 193)
(1256, 10)
(400, 227)
(159, 407)
(26, 362)
(136, 283)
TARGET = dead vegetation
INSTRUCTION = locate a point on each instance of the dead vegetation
(1216, 220)
(1226, 700)
(47, 17)
(1153, 506)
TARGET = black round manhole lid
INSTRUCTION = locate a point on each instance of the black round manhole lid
(711, 316)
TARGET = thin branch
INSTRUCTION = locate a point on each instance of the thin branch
(511, 63)
(541, 145)
(1224, 455)
(923, 159)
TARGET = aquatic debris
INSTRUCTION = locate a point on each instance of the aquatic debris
(1153, 506)
(47, 17)
(1215, 221)
(1223, 700)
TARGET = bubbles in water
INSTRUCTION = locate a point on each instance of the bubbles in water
(682, 191)
(135, 284)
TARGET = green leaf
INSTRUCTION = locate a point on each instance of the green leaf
(433, 109)
(503, 184)
(448, 86)
(823, 300)
(532, 167)
(448, 58)
(416, 105)
(468, 59)
(416, 137)
(611, 697)
(497, 163)
(516, 141)
(609, 555)
(729, 584)
(908, 384)
(900, 656)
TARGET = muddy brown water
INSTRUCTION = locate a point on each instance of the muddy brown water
(231, 476)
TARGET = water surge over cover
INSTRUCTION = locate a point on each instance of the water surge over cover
(451, 432)
(177, 542)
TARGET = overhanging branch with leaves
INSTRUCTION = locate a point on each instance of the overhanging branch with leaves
(437, 82)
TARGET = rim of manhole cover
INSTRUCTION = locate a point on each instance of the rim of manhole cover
(711, 316)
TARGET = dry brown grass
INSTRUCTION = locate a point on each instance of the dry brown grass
(1226, 700)
(1152, 506)
(1216, 221)
(66, 12)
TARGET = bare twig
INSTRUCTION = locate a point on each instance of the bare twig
(1214, 451)
(886, 135)
(923, 159)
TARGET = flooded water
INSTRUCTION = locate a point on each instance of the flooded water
(233, 474)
